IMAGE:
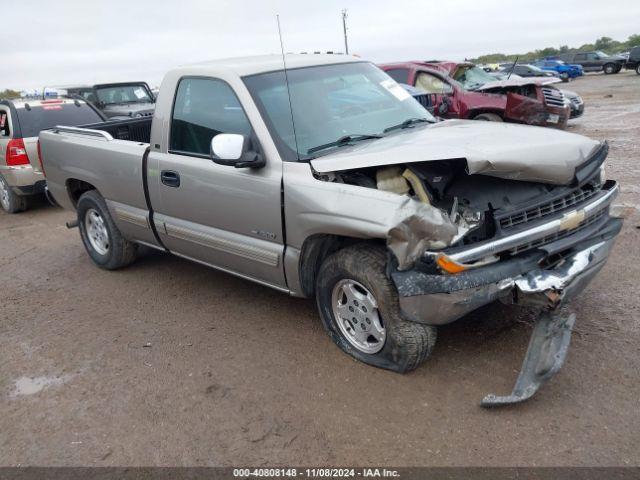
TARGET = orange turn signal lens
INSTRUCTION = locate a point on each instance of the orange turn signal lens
(448, 265)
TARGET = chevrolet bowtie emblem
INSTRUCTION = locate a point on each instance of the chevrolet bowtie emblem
(571, 220)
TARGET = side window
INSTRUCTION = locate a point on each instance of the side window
(580, 57)
(204, 107)
(432, 84)
(4, 124)
(592, 56)
(400, 75)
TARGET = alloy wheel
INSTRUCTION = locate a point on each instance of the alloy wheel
(355, 310)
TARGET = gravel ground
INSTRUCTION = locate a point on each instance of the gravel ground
(170, 363)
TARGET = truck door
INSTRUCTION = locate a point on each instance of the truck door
(582, 59)
(226, 217)
(442, 91)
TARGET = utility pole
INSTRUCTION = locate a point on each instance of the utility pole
(344, 28)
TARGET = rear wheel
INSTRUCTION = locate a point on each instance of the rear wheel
(564, 76)
(10, 202)
(609, 68)
(359, 308)
(488, 117)
(102, 239)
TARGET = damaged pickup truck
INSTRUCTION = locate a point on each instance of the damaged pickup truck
(331, 182)
(465, 91)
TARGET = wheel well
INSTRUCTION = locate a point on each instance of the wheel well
(76, 188)
(474, 113)
(315, 250)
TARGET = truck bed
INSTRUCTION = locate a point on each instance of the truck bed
(134, 129)
(108, 156)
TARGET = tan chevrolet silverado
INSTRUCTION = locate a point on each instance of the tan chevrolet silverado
(328, 180)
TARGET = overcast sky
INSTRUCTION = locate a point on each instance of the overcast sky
(57, 42)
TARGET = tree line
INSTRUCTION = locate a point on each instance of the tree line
(9, 94)
(605, 44)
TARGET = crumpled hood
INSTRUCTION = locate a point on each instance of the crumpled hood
(518, 152)
(518, 82)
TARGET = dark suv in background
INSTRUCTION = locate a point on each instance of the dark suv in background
(117, 100)
(593, 61)
(633, 62)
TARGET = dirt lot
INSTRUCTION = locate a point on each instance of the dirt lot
(170, 363)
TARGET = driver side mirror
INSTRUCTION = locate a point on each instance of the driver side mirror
(234, 150)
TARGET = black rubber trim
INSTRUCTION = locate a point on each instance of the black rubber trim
(411, 282)
(34, 189)
(145, 185)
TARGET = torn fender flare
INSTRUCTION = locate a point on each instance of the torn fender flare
(420, 227)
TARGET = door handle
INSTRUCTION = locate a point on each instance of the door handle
(170, 178)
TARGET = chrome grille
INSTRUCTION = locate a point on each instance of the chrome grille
(559, 235)
(573, 198)
(577, 101)
(553, 97)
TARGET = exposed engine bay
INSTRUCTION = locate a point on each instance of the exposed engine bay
(481, 207)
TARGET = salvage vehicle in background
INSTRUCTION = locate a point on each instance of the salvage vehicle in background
(593, 61)
(332, 182)
(571, 99)
(575, 102)
(118, 100)
(21, 175)
(525, 70)
(469, 92)
(633, 61)
(565, 71)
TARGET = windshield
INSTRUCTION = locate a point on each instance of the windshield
(600, 53)
(472, 77)
(136, 93)
(328, 103)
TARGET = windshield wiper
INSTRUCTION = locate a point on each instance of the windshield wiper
(345, 140)
(406, 124)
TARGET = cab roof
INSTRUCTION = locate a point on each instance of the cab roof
(244, 66)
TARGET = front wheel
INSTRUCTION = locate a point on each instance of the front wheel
(10, 202)
(359, 308)
(638, 69)
(609, 68)
(564, 77)
(100, 235)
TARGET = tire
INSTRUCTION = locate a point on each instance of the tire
(609, 68)
(564, 77)
(405, 344)
(100, 235)
(638, 69)
(9, 200)
(488, 117)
